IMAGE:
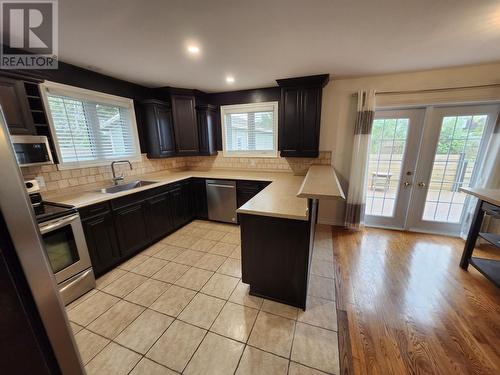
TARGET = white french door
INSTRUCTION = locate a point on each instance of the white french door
(394, 145)
(419, 159)
(452, 150)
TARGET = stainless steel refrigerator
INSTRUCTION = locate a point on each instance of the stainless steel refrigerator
(35, 335)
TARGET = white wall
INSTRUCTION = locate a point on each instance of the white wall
(339, 110)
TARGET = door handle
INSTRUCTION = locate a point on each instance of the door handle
(221, 186)
(44, 228)
(406, 184)
(421, 184)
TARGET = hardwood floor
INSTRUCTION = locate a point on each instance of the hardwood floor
(410, 308)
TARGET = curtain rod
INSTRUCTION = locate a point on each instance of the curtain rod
(432, 90)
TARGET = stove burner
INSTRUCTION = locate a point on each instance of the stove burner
(45, 211)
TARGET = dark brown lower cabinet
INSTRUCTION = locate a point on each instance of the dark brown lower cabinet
(246, 190)
(276, 255)
(101, 242)
(187, 213)
(118, 229)
(159, 218)
(176, 206)
(131, 229)
(199, 198)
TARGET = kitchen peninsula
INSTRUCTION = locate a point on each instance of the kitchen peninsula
(276, 250)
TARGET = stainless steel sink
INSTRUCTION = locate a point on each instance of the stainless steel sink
(125, 187)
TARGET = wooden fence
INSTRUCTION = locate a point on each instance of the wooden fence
(451, 173)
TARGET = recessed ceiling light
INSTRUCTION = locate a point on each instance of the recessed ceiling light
(230, 79)
(193, 49)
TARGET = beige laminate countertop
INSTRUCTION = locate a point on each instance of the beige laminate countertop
(488, 195)
(278, 199)
(321, 182)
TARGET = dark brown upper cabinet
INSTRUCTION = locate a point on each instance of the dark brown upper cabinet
(207, 116)
(15, 106)
(185, 125)
(158, 127)
(300, 115)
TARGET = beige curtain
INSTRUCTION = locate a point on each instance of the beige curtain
(488, 178)
(355, 209)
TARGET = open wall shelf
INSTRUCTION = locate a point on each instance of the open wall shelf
(490, 268)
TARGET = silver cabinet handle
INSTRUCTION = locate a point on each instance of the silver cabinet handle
(422, 184)
(221, 186)
(406, 184)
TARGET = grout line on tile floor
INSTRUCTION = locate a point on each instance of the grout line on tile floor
(226, 300)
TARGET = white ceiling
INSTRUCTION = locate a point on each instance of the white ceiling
(259, 41)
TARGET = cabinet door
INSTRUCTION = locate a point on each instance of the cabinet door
(199, 198)
(165, 131)
(207, 121)
(290, 124)
(311, 109)
(15, 106)
(176, 206)
(131, 228)
(185, 126)
(158, 218)
(203, 136)
(187, 202)
(101, 241)
(159, 129)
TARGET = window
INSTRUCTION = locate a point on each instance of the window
(250, 129)
(90, 128)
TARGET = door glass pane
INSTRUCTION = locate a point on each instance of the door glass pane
(453, 167)
(387, 148)
(61, 248)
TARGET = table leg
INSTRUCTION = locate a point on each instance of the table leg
(470, 243)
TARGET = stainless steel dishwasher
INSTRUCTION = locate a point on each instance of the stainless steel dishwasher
(221, 198)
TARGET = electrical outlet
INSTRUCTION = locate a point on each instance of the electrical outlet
(41, 181)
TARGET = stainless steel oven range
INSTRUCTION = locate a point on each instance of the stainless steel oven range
(64, 242)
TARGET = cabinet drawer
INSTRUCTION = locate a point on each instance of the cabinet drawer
(93, 210)
(129, 199)
(156, 191)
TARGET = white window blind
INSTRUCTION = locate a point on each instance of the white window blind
(250, 129)
(91, 128)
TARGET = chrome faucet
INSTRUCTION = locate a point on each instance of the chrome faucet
(119, 178)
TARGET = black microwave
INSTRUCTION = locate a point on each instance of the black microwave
(31, 150)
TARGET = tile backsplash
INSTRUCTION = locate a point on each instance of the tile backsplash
(298, 166)
(62, 179)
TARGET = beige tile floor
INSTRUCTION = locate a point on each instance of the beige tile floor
(180, 307)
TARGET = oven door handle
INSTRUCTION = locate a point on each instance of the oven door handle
(44, 228)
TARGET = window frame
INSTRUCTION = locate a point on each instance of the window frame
(96, 96)
(250, 107)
